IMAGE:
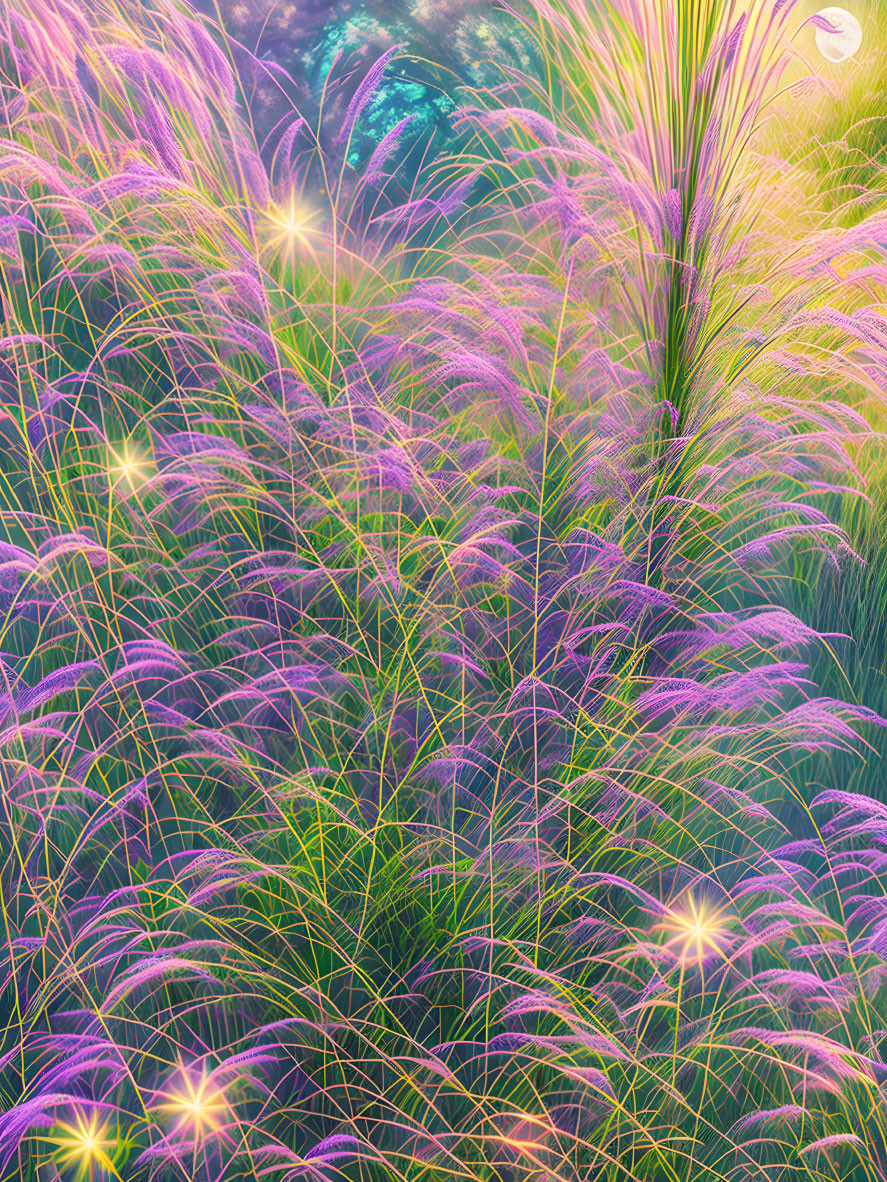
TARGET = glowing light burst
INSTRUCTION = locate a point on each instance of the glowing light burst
(125, 465)
(293, 226)
(83, 1146)
(697, 932)
(197, 1105)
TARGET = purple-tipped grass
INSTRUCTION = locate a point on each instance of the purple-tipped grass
(400, 711)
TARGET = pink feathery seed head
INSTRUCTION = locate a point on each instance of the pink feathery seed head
(673, 214)
(336, 1146)
(787, 1112)
(252, 170)
(593, 931)
(15, 1122)
(282, 163)
(832, 1142)
(157, 128)
(731, 692)
(753, 627)
(387, 146)
(701, 215)
(804, 985)
(537, 124)
(365, 92)
(212, 60)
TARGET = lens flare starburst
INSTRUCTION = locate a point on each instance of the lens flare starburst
(195, 1103)
(696, 931)
(293, 229)
(82, 1147)
(125, 466)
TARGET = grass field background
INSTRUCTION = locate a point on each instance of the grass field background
(443, 549)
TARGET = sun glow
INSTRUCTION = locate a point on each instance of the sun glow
(197, 1105)
(293, 226)
(843, 37)
(697, 932)
(125, 465)
(83, 1145)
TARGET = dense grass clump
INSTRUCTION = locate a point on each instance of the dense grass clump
(406, 739)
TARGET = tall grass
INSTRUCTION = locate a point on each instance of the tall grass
(402, 715)
(839, 139)
(838, 128)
